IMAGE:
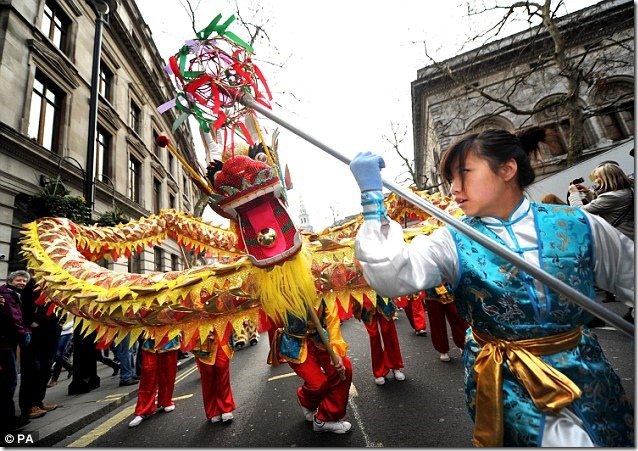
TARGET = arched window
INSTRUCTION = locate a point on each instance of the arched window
(614, 101)
(555, 120)
(485, 123)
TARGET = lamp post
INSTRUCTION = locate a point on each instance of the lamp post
(102, 9)
(58, 178)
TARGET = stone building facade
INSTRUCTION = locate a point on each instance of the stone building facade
(46, 56)
(599, 38)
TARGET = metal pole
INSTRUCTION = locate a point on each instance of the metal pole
(576, 296)
(101, 9)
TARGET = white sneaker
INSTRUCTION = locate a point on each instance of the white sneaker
(379, 380)
(398, 375)
(216, 419)
(169, 408)
(227, 416)
(307, 413)
(444, 357)
(136, 421)
(338, 427)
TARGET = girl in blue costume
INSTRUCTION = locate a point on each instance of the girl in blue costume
(535, 374)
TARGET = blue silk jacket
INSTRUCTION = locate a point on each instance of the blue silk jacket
(501, 301)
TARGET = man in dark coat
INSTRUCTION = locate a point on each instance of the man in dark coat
(13, 331)
(36, 360)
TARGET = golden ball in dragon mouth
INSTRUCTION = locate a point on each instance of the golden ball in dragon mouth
(267, 237)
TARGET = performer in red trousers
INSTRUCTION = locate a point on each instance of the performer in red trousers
(384, 342)
(441, 308)
(213, 362)
(157, 380)
(323, 397)
(415, 312)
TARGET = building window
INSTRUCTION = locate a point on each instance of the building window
(172, 203)
(159, 259)
(174, 262)
(55, 25)
(171, 163)
(618, 121)
(106, 82)
(157, 147)
(102, 155)
(135, 121)
(46, 109)
(134, 175)
(135, 263)
(185, 185)
(157, 195)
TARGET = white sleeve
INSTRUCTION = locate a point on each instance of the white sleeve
(614, 259)
(393, 268)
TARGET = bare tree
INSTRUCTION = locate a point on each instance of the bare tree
(558, 62)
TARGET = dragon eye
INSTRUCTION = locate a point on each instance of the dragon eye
(261, 157)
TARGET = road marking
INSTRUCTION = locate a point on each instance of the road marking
(281, 376)
(357, 416)
(184, 375)
(116, 419)
(102, 429)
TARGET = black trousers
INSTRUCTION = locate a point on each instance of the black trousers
(85, 376)
(36, 361)
(8, 384)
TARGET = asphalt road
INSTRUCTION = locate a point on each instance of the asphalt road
(426, 410)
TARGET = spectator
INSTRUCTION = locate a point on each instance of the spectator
(37, 359)
(552, 198)
(101, 357)
(85, 376)
(62, 350)
(125, 353)
(612, 200)
(13, 331)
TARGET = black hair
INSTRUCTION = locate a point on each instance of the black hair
(496, 147)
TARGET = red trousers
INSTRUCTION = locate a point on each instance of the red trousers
(384, 345)
(322, 389)
(438, 313)
(415, 312)
(216, 390)
(157, 380)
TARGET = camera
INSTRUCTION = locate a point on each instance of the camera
(578, 180)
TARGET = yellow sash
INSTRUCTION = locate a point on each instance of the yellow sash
(549, 388)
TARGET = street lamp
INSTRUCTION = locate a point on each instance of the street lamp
(58, 178)
(102, 9)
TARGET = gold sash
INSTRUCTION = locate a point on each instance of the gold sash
(549, 388)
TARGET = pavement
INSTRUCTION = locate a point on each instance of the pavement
(74, 412)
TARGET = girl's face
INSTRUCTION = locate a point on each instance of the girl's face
(483, 192)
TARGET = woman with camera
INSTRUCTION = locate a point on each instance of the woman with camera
(613, 199)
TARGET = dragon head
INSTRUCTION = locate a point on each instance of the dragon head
(251, 192)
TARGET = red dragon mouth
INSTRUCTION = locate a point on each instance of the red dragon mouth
(251, 192)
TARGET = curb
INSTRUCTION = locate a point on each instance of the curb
(73, 427)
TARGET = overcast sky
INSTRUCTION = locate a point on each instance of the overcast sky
(345, 78)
